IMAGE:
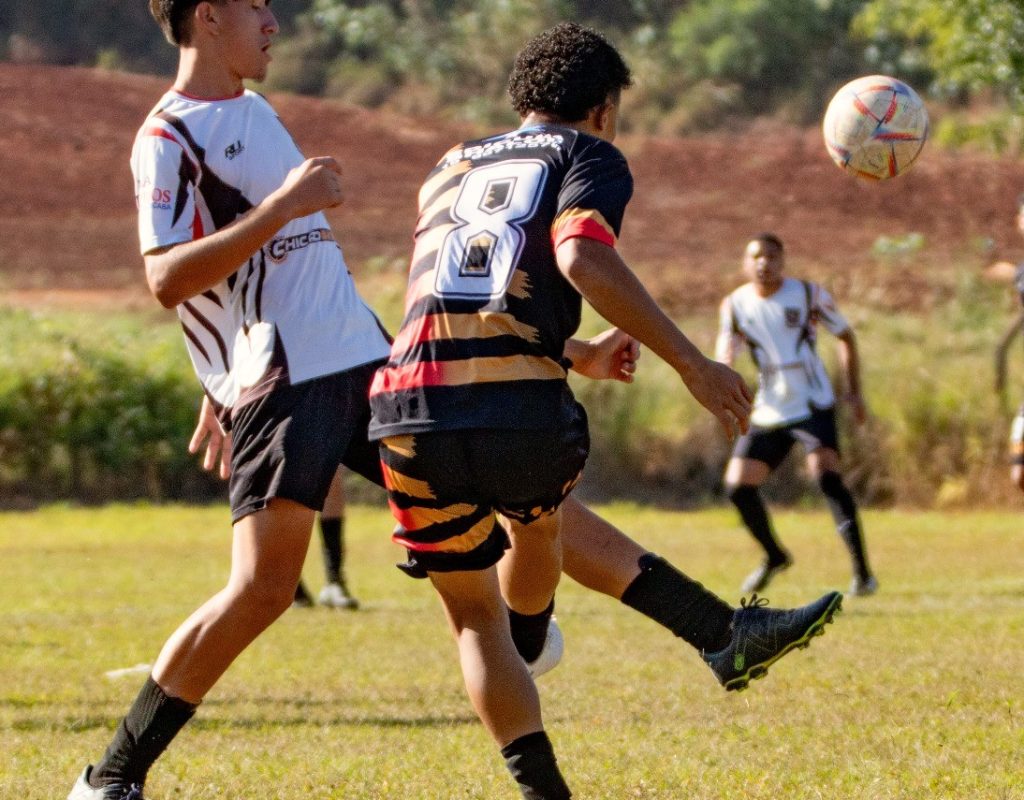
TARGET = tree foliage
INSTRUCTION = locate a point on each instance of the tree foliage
(696, 62)
(968, 46)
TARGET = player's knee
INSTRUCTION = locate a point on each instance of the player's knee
(832, 486)
(263, 601)
(740, 493)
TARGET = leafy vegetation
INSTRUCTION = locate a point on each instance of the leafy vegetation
(94, 409)
(697, 63)
(910, 694)
(100, 408)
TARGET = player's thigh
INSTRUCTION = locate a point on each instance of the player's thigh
(755, 454)
(471, 598)
(820, 439)
(823, 460)
(269, 547)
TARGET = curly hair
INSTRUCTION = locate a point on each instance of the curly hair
(172, 16)
(566, 71)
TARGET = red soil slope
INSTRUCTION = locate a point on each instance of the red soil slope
(67, 212)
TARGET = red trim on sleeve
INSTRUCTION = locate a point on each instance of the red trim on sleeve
(582, 227)
(160, 132)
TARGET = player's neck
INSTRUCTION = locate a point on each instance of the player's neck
(205, 77)
(539, 118)
(767, 289)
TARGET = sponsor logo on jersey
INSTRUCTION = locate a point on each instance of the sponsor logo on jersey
(156, 198)
(278, 249)
(233, 150)
(792, 317)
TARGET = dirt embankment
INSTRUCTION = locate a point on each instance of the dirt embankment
(67, 216)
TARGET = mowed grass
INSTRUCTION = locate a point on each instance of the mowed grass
(914, 693)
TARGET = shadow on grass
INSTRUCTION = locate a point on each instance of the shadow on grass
(84, 724)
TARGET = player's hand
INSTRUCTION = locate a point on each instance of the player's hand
(312, 186)
(723, 392)
(218, 443)
(611, 355)
(858, 407)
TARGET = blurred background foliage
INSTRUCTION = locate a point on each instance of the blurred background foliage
(699, 64)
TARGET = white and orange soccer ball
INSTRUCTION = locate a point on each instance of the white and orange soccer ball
(875, 127)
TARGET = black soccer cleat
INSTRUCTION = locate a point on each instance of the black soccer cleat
(761, 636)
(83, 790)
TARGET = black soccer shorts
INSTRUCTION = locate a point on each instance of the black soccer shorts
(445, 489)
(288, 444)
(772, 445)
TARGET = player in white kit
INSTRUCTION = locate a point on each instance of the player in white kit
(777, 318)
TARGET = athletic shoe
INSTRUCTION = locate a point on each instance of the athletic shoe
(550, 654)
(302, 597)
(761, 636)
(334, 595)
(863, 587)
(83, 790)
(759, 579)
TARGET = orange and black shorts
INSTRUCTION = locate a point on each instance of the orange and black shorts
(445, 489)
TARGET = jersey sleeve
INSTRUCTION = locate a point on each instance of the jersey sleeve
(728, 339)
(165, 190)
(827, 311)
(593, 196)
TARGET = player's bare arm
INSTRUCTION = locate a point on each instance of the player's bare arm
(602, 277)
(849, 361)
(611, 355)
(182, 271)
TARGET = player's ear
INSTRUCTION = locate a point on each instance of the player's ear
(603, 116)
(207, 17)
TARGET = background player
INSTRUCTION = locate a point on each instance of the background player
(777, 318)
(473, 410)
(1013, 273)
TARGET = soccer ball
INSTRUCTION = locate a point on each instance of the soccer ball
(875, 127)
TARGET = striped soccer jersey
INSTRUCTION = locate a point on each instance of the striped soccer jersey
(781, 332)
(487, 311)
(291, 312)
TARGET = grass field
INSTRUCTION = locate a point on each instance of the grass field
(914, 693)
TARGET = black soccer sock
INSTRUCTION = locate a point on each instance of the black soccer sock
(531, 760)
(748, 502)
(529, 631)
(682, 605)
(145, 732)
(333, 547)
(844, 512)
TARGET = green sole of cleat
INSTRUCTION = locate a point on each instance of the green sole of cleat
(758, 671)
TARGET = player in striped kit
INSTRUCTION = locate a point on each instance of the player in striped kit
(777, 318)
(481, 438)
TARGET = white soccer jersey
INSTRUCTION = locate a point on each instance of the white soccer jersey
(781, 332)
(291, 312)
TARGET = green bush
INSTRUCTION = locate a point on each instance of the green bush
(92, 413)
(96, 409)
